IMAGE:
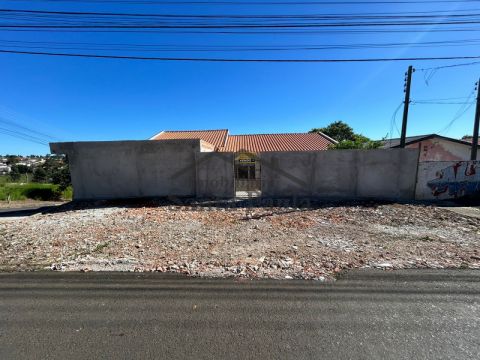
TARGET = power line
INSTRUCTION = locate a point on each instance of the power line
(460, 112)
(266, 3)
(40, 19)
(393, 121)
(22, 136)
(450, 66)
(445, 99)
(363, 15)
(125, 57)
(428, 73)
(442, 102)
(277, 31)
(55, 45)
(12, 123)
(237, 26)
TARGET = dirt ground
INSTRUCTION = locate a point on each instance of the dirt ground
(308, 241)
(27, 204)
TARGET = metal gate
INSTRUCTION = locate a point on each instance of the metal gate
(247, 174)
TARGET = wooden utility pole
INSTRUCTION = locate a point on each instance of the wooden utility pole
(475, 125)
(408, 81)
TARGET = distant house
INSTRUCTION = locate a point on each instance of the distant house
(434, 147)
(4, 169)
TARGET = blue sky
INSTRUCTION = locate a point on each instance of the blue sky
(74, 99)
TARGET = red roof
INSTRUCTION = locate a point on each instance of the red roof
(254, 142)
(277, 142)
(215, 137)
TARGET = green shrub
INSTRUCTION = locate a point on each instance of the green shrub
(33, 191)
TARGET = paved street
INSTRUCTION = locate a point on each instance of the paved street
(365, 315)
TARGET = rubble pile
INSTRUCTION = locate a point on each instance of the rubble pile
(314, 242)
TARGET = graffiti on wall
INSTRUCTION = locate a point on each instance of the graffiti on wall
(457, 180)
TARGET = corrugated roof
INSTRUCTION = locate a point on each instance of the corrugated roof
(392, 143)
(215, 137)
(277, 142)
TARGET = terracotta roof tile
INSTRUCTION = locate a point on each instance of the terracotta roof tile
(215, 137)
(254, 142)
(277, 142)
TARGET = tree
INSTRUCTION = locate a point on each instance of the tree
(337, 130)
(61, 177)
(12, 159)
(346, 137)
(39, 175)
(22, 169)
(14, 174)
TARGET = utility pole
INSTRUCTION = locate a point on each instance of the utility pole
(475, 125)
(406, 89)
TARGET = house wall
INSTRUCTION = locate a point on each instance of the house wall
(440, 180)
(215, 175)
(438, 149)
(381, 173)
(128, 169)
(206, 147)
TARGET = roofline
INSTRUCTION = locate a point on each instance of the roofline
(327, 137)
(154, 136)
(227, 134)
(176, 131)
(430, 136)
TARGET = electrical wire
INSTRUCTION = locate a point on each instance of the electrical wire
(24, 128)
(393, 121)
(55, 45)
(460, 112)
(22, 136)
(263, 3)
(126, 57)
(41, 19)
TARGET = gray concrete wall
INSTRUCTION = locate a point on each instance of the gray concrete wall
(128, 169)
(215, 176)
(380, 173)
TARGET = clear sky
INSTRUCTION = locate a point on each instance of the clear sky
(75, 99)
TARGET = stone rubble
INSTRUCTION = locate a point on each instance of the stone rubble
(314, 242)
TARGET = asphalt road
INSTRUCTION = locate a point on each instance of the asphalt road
(365, 315)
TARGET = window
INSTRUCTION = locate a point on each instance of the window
(246, 172)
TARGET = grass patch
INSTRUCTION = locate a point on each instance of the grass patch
(33, 191)
(101, 246)
(67, 194)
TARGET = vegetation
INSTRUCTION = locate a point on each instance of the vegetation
(49, 180)
(346, 137)
(34, 191)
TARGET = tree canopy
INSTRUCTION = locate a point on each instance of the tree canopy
(346, 137)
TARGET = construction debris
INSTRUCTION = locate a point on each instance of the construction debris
(283, 242)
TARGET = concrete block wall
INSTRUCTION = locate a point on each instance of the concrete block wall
(215, 175)
(381, 174)
(130, 169)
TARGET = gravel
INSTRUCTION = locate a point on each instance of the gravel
(309, 242)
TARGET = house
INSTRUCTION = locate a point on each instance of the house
(247, 147)
(222, 141)
(434, 147)
(4, 169)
